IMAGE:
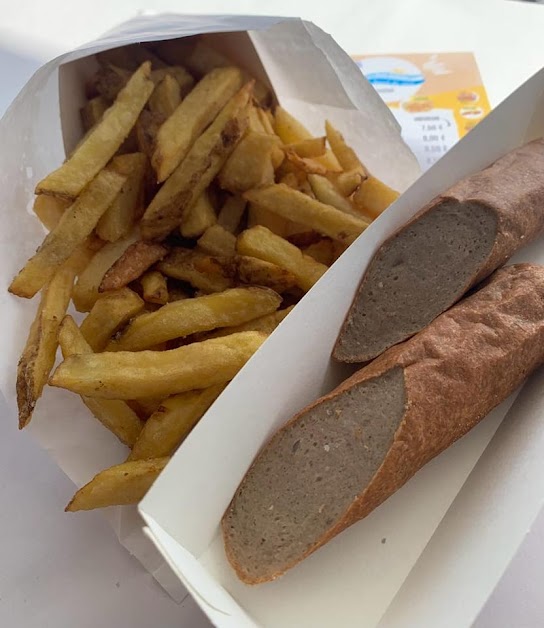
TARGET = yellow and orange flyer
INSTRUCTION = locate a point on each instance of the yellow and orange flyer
(436, 97)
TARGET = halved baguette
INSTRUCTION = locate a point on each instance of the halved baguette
(342, 456)
(453, 243)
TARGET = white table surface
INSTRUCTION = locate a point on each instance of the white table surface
(59, 570)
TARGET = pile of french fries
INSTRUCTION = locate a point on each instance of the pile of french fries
(191, 217)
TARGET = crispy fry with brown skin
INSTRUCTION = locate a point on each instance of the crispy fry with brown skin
(302, 209)
(103, 141)
(199, 108)
(132, 264)
(121, 485)
(198, 169)
(38, 356)
(114, 414)
(166, 428)
(262, 243)
(128, 374)
(154, 287)
(108, 315)
(74, 227)
(190, 316)
(204, 272)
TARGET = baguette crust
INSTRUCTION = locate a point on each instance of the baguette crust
(512, 188)
(455, 372)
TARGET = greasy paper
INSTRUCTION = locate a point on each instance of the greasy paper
(357, 575)
(310, 75)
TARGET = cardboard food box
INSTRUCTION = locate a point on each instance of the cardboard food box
(312, 78)
(433, 552)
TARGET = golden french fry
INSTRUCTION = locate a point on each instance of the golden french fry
(145, 406)
(306, 165)
(128, 206)
(257, 272)
(267, 120)
(345, 154)
(171, 423)
(108, 315)
(129, 375)
(49, 209)
(296, 206)
(136, 259)
(114, 414)
(74, 227)
(193, 175)
(184, 79)
(258, 216)
(104, 140)
(346, 182)
(198, 217)
(202, 271)
(216, 240)
(262, 243)
(255, 122)
(266, 324)
(231, 213)
(121, 485)
(85, 291)
(291, 131)
(38, 356)
(154, 287)
(191, 117)
(322, 251)
(92, 112)
(250, 163)
(146, 129)
(190, 316)
(312, 147)
(166, 97)
(373, 197)
(325, 192)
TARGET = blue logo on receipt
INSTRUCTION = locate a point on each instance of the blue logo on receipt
(393, 78)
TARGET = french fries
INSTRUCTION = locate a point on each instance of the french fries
(202, 271)
(108, 315)
(129, 375)
(103, 141)
(250, 163)
(192, 116)
(262, 243)
(373, 197)
(86, 289)
(216, 240)
(190, 316)
(193, 175)
(75, 225)
(190, 204)
(41, 346)
(121, 485)
(136, 259)
(199, 217)
(128, 206)
(170, 424)
(294, 205)
(114, 414)
(154, 287)
(49, 209)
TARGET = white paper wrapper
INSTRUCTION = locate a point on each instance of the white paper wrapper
(311, 76)
(354, 578)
